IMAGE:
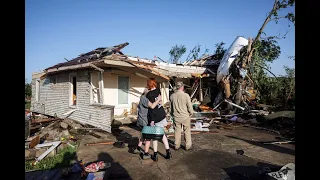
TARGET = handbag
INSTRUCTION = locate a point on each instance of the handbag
(152, 132)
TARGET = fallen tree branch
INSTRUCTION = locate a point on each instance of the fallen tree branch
(267, 70)
(277, 18)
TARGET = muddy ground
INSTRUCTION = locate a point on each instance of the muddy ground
(214, 155)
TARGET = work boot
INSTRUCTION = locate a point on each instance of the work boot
(145, 156)
(155, 156)
(168, 155)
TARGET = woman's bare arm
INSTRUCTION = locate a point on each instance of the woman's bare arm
(153, 105)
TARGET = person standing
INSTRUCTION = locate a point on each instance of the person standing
(142, 120)
(181, 111)
(156, 117)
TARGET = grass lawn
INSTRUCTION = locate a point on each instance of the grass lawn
(62, 159)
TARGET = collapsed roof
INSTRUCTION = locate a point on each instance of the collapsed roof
(92, 55)
(207, 60)
(112, 56)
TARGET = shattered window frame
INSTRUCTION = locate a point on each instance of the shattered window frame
(71, 90)
(92, 87)
(53, 80)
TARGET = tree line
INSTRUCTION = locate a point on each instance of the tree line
(255, 59)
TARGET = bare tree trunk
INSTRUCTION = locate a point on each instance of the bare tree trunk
(274, 8)
(240, 79)
(248, 53)
(239, 91)
(287, 99)
(226, 87)
(247, 59)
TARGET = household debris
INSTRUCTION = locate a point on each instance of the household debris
(96, 166)
(48, 135)
(100, 143)
(53, 146)
(35, 141)
(287, 172)
(207, 113)
(96, 176)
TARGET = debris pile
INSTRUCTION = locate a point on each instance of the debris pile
(53, 140)
(46, 136)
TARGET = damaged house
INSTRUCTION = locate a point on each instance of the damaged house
(100, 84)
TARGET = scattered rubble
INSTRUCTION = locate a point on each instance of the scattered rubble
(64, 125)
(48, 136)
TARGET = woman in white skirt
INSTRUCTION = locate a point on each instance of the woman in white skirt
(156, 117)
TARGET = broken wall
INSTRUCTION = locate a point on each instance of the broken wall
(55, 96)
(135, 89)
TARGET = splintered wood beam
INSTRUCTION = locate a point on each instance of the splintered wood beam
(141, 62)
(96, 67)
(53, 146)
(146, 68)
(165, 91)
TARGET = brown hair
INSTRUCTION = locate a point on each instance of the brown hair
(151, 83)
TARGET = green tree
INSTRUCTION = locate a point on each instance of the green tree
(176, 53)
(220, 50)
(260, 51)
(27, 89)
(194, 53)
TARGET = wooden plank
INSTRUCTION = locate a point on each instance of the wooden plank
(69, 67)
(118, 63)
(44, 120)
(101, 143)
(35, 141)
(94, 135)
(96, 67)
(35, 127)
(195, 132)
(141, 62)
(53, 146)
(177, 74)
(151, 70)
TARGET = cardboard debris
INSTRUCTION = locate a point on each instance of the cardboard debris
(287, 172)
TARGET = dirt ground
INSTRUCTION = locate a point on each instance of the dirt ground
(214, 156)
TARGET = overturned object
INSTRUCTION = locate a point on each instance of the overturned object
(229, 56)
(152, 132)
